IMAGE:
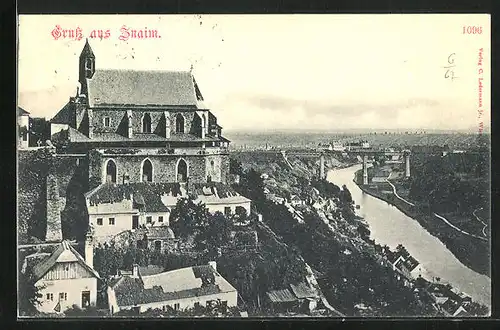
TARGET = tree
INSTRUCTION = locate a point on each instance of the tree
(91, 311)
(29, 296)
(235, 167)
(187, 215)
(216, 234)
(107, 259)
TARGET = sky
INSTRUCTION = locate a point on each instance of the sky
(327, 72)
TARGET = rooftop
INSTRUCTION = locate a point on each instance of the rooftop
(63, 253)
(120, 87)
(296, 292)
(22, 112)
(147, 194)
(176, 284)
(159, 196)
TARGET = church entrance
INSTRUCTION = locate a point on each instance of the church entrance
(181, 171)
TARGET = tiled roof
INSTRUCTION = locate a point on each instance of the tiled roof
(176, 284)
(223, 190)
(63, 253)
(296, 292)
(284, 295)
(150, 270)
(301, 291)
(65, 115)
(142, 88)
(149, 192)
(160, 232)
(22, 112)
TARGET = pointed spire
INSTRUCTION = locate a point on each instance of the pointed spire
(87, 50)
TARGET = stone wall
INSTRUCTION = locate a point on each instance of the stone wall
(224, 168)
(213, 167)
(54, 207)
(118, 121)
(164, 167)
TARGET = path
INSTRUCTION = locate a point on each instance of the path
(435, 214)
(478, 219)
(286, 159)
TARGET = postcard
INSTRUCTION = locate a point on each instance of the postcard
(254, 166)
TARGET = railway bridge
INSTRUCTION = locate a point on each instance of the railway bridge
(364, 153)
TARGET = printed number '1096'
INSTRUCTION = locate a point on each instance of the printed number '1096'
(473, 30)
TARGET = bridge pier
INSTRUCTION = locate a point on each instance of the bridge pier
(322, 167)
(407, 164)
(365, 169)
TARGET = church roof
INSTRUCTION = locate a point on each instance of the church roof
(120, 87)
(87, 50)
(65, 115)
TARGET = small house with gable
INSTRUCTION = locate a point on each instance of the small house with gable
(65, 279)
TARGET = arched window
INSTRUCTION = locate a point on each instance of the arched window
(111, 171)
(147, 171)
(179, 123)
(181, 171)
(146, 123)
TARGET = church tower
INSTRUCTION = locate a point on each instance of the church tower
(87, 67)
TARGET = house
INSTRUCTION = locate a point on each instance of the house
(402, 261)
(23, 121)
(65, 279)
(338, 146)
(296, 298)
(158, 238)
(295, 200)
(115, 208)
(461, 312)
(179, 289)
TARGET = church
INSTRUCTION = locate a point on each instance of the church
(146, 126)
(147, 138)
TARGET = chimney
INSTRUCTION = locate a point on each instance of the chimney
(135, 271)
(167, 124)
(89, 249)
(129, 124)
(213, 264)
(91, 123)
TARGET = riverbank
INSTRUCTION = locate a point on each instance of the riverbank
(471, 251)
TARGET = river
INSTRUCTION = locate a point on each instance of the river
(391, 227)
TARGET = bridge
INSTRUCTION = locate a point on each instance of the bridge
(365, 153)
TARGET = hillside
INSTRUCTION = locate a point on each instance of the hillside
(350, 267)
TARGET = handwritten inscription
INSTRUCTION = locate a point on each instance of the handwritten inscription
(124, 33)
(450, 68)
(480, 109)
